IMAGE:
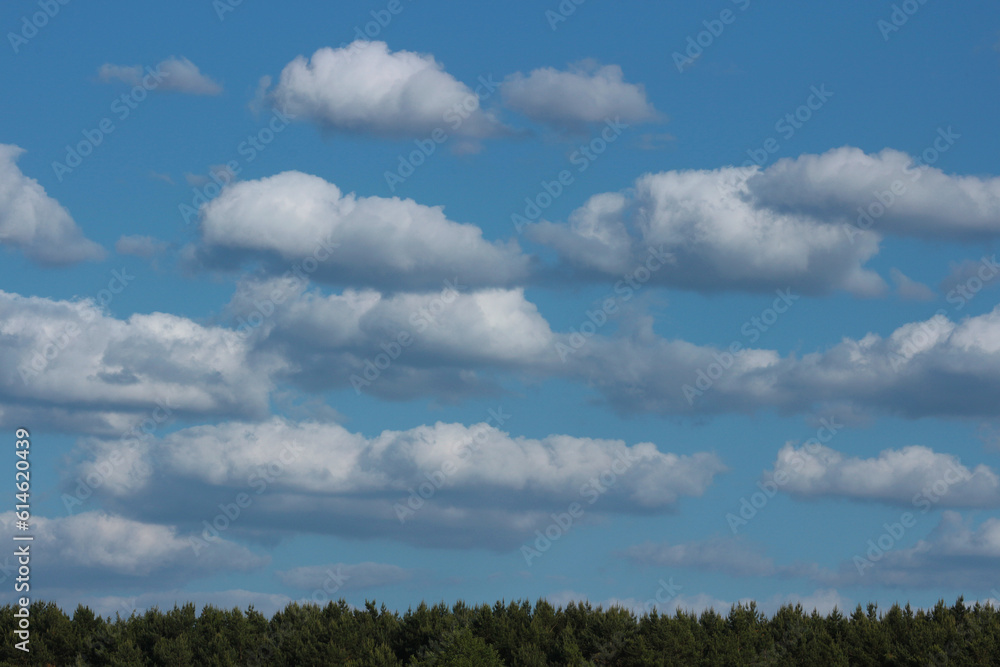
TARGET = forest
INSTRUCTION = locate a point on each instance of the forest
(513, 633)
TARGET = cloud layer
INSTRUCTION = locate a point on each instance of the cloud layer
(439, 485)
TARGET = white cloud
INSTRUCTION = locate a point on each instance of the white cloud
(585, 94)
(365, 88)
(389, 242)
(794, 224)
(36, 224)
(489, 489)
(447, 336)
(99, 547)
(925, 201)
(178, 75)
(932, 368)
(719, 235)
(70, 356)
(899, 476)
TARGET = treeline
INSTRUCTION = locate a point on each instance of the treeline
(511, 634)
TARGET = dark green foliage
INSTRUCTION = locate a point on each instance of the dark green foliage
(512, 634)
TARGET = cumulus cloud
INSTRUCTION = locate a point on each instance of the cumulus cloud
(931, 368)
(365, 88)
(720, 235)
(36, 224)
(101, 548)
(906, 476)
(487, 489)
(71, 359)
(901, 196)
(344, 576)
(457, 343)
(587, 93)
(393, 243)
(795, 224)
(439, 341)
(178, 75)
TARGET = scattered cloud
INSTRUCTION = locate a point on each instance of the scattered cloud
(585, 94)
(36, 224)
(179, 75)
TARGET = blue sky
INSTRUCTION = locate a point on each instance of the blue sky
(566, 241)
